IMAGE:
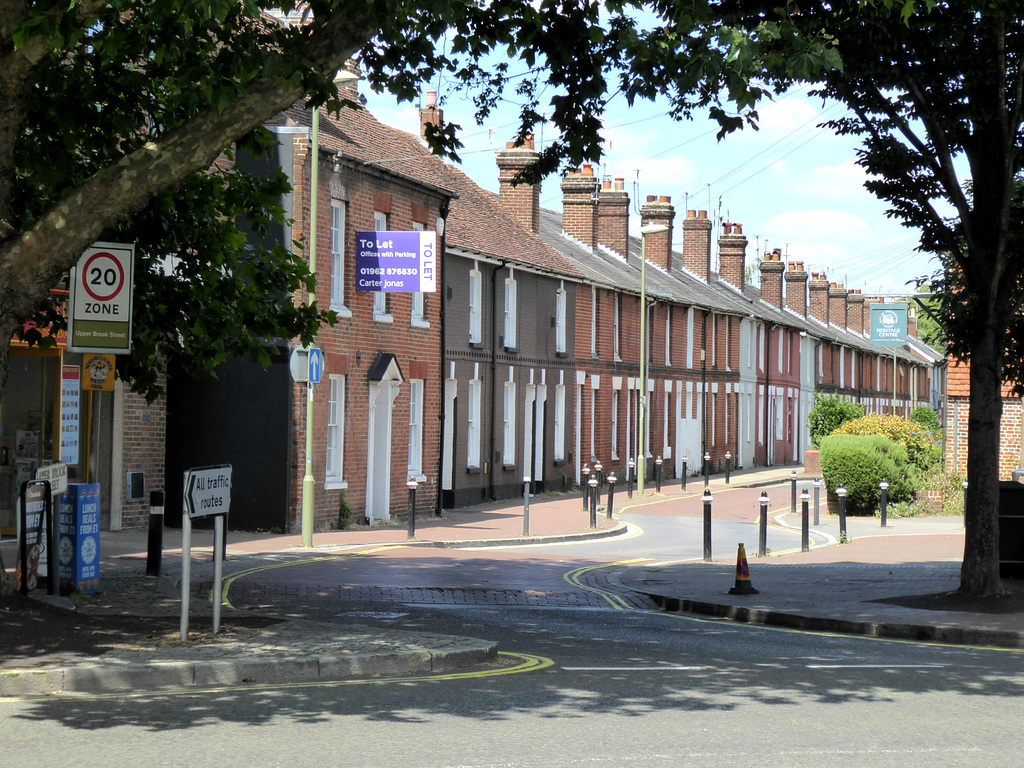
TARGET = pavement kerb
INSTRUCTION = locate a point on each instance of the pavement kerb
(520, 541)
(882, 630)
(104, 677)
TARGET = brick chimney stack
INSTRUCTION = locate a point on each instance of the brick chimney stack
(837, 306)
(579, 206)
(732, 255)
(613, 217)
(697, 244)
(659, 246)
(431, 114)
(522, 201)
(771, 278)
(817, 289)
(796, 288)
(855, 311)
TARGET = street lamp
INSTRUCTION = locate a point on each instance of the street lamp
(650, 229)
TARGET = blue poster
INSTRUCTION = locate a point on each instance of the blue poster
(78, 548)
(396, 262)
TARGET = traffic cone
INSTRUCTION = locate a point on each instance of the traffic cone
(743, 585)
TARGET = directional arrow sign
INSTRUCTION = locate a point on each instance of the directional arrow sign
(316, 365)
(208, 490)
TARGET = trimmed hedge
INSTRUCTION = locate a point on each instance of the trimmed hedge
(828, 414)
(861, 462)
(922, 449)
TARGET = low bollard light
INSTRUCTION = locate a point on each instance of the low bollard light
(707, 499)
(526, 505)
(884, 485)
(611, 495)
(817, 496)
(657, 475)
(728, 466)
(629, 478)
(586, 486)
(593, 501)
(805, 520)
(762, 526)
(841, 494)
(685, 462)
(412, 484)
(707, 469)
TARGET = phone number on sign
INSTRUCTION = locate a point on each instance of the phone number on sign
(390, 271)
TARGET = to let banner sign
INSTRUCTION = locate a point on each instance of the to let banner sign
(396, 262)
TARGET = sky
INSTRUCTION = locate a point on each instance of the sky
(791, 184)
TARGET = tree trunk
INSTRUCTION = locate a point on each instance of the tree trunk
(979, 574)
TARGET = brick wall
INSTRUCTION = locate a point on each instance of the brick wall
(143, 437)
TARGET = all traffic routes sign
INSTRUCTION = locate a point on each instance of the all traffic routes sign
(100, 316)
(208, 491)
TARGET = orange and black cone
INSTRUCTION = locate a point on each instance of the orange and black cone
(743, 585)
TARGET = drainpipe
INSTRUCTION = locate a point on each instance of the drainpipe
(768, 455)
(440, 226)
(704, 387)
(494, 375)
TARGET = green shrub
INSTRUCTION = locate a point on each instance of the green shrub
(861, 462)
(344, 513)
(922, 448)
(828, 414)
(926, 417)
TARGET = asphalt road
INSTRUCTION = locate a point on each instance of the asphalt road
(606, 688)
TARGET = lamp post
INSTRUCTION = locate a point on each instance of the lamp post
(641, 466)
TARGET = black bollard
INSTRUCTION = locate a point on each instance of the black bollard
(156, 533)
(611, 495)
(805, 533)
(586, 487)
(762, 526)
(629, 479)
(728, 466)
(526, 506)
(657, 475)
(707, 469)
(685, 460)
(707, 499)
(593, 502)
(412, 507)
(792, 482)
(884, 485)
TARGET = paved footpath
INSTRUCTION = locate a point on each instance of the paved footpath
(853, 587)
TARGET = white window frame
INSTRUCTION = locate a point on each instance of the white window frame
(474, 395)
(560, 301)
(510, 340)
(338, 258)
(559, 452)
(416, 390)
(335, 471)
(476, 294)
(380, 298)
(508, 443)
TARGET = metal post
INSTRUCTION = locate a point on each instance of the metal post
(526, 505)
(218, 569)
(841, 493)
(657, 475)
(593, 502)
(884, 485)
(817, 494)
(965, 502)
(629, 478)
(805, 515)
(728, 466)
(685, 461)
(155, 546)
(598, 469)
(762, 527)
(586, 486)
(707, 499)
(792, 483)
(707, 469)
(611, 495)
(411, 485)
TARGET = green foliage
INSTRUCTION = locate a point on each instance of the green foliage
(344, 513)
(828, 414)
(921, 448)
(860, 463)
(927, 418)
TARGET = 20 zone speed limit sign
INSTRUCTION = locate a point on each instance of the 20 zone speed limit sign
(101, 300)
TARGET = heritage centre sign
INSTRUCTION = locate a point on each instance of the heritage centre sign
(396, 262)
(889, 325)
